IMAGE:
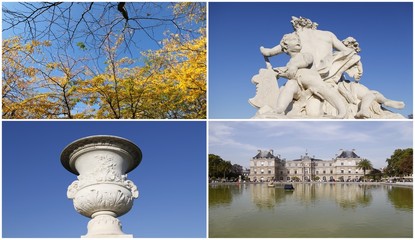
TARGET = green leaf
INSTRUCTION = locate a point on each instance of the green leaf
(81, 45)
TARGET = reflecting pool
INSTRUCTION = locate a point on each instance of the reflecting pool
(311, 210)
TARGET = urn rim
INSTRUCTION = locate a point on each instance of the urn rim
(104, 140)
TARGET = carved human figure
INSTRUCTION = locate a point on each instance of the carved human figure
(316, 83)
(354, 92)
(356, 70)
(302, 76)
(330, 56)
(357, 94)
(320, 44)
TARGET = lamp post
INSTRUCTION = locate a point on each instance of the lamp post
(102, 191)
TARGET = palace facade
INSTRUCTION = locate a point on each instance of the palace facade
(265, 166)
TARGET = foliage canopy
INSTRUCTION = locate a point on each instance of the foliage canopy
(84, 74)
(400, 163)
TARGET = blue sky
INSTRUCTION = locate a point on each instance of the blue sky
(154, 17)
(138, 40)
(237, 30)
(238, 141)
(171, 178)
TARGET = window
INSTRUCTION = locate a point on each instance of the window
(269, 171)
(342, 164)
(288, 172)
(295, 172)
(350, 171)
(342, 171)
(316, 172)
(324, 171)
(331, 171)
(262, 163)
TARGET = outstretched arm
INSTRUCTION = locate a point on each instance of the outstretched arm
(269, 52)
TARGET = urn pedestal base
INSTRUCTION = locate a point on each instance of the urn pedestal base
(105, 224)
(108, 236)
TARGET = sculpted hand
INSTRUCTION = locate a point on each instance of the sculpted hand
(290, 73)
(280, 71)
(263, 51)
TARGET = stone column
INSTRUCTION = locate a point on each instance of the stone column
(102, 191)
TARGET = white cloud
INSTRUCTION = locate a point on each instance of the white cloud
(239, 140)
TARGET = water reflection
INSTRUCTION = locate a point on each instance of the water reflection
(351, 197)
(401, 198)
(266, 197)
(220, 194)
(311, 210)
(224, 193)
(346, 196)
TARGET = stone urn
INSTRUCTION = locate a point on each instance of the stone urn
(102, 191)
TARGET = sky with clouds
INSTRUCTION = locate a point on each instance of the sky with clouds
(238, 141)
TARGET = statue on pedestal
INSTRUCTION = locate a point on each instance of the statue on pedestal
(316, 86)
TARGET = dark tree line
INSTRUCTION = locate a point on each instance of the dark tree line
(400, 163)
(222, 169)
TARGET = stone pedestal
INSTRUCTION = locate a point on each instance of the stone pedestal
(102, 191)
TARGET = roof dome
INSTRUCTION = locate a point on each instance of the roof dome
(265, 154)
(348, 154)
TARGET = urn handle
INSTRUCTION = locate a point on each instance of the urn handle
(132, 187)
(72, 189)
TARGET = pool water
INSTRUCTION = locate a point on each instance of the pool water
(311, 210)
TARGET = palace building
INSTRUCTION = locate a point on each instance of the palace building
(265, 166)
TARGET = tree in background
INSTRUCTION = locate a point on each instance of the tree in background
(375, 174)
(295, 179)
(400, 163)
(222, 169)
(91, 69)
(316, 178)
(214, 161)
(237, 170)
(34, 87)
(364, 165)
